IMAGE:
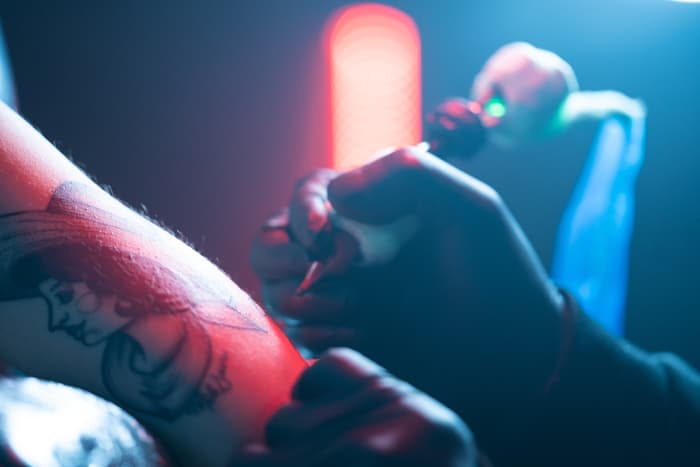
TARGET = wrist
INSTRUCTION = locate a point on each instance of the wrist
(532, 360)
(595, 106)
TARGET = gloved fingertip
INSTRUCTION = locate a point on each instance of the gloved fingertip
(339, 369)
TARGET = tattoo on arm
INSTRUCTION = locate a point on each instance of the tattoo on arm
(114, 281)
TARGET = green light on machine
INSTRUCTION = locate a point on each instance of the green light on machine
(495, 107)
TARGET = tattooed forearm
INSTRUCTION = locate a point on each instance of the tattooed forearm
(133, 313)
(116, 295)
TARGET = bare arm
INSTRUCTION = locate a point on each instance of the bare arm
(94, 295)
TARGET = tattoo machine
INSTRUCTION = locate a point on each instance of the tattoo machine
(453, 131)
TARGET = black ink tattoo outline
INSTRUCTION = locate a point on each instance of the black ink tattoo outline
(101, 260)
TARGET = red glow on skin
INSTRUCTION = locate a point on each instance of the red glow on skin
(373, 58)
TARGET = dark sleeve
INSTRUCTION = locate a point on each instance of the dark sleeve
(617, 405)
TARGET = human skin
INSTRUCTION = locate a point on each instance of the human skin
(540, 94)
(94, 295)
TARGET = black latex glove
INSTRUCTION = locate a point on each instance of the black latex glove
(465, 311)
(347, 411)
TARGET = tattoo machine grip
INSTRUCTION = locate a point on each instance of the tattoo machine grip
(452, 131)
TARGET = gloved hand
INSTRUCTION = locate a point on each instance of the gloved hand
(465, 310)
(528, 85)
(527, 93)
(347, 411)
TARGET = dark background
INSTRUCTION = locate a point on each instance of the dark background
(206, 112)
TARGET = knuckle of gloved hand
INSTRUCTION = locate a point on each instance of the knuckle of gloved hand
(452, 433)
(491, 206)
(437, 423)
(352, 365)
(386, 388)
(405, 159)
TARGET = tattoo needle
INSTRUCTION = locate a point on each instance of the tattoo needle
(346, 251)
